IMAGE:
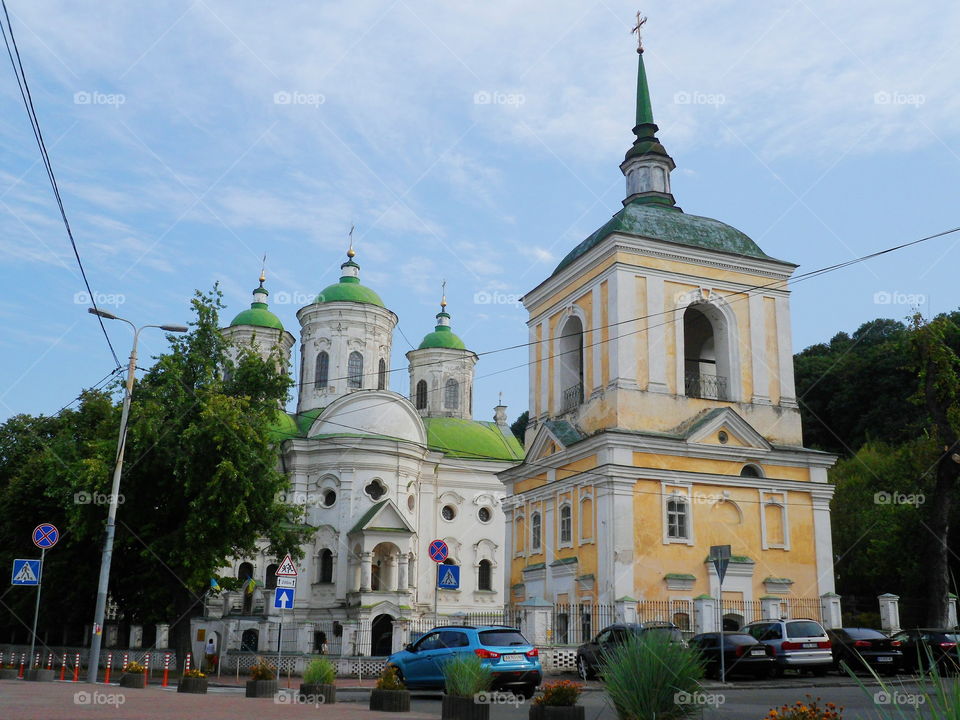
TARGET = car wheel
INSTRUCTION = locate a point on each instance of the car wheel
(583, 670)
(527, 691)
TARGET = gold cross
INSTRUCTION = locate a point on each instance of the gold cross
(443, 293)
(641, 21)
(263, 269)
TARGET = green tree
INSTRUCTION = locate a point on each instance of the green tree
(519, 426)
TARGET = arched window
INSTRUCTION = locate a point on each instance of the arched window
(250, 640)
(245, 571)
(422, 395)
(381, 374)
(706, 361)
(751, 471)
(272, 576)
(570, 363)
(323, 370)
(326, 566)
(677, 520)
(566, 524)
(451, 395)
(535, 529)
(355, 370)
(485, 575)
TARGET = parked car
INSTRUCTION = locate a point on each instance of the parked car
(514, 661)
(865, 649)
(800, 644)
(590, 654)
(921, 645)
(742, 654)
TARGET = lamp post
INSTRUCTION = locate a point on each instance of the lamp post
(94, 662)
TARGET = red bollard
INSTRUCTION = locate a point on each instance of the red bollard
(63, 668)
(23, 659)
(166, 668)
(76, 668)
(106, 679)
(37, 662)
(126, 657)
(146, 671)
(186, 664)
(50, 661)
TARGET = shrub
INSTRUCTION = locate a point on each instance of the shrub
(466, 675)
(645, 675)
(562, 693)
(194, 673)
(809, 710)
(134, 668)
(319, 672)
(389, 680)
(263, 670)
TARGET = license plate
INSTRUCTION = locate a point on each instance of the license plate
(758, 652)
(809, 645)
(884, 659)
(512, 658)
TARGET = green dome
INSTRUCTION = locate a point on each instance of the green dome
(283, 428)
(259, 316)
(471, 439)
(442, 337)
(661, 222)
(349, 289)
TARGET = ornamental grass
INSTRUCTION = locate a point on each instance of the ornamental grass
(466, 675)
(319, 672)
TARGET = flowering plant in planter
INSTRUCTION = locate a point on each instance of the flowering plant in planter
(134, 668)
(263, 670)
(809, 710)
(562, 693)
(193, 673)
(389, 680)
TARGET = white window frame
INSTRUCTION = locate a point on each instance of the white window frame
(561, 543)
(774, 498)
(537, 547)
(674, 491)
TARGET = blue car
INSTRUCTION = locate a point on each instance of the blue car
(514, 661)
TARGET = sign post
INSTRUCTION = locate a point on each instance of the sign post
(283, 596)
(438, 552)
(720, 555)
(45, 536)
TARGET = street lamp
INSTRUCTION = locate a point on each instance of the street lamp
(94, 663)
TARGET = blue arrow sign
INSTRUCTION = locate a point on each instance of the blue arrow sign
(26, 572)
(283, 599)
(448, 577)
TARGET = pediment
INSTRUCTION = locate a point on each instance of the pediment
(739, 433)
(383, 516)
(553, 436)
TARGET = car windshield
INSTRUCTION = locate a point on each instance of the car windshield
(804, 628)
(671, 633)
(502, 638)
(865, 634)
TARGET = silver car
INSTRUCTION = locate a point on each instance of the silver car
(797, 644)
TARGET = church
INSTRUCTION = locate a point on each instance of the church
(379, 475)
(664, 420)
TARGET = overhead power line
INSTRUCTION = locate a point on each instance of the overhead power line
(38, 136)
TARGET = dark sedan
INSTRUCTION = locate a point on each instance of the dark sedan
(590, 654)
(921, 645)
(742, 654)
(865, 649)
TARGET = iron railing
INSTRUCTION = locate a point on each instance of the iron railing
(709, 387)
(572, 397)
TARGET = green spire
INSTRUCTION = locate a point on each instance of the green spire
(644, 107)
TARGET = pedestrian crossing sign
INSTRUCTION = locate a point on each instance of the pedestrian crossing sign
(26, 572)
(448, 577)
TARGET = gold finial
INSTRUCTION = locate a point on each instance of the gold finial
(351, 252)
(641, 21)
(263, 270)
(443, 295)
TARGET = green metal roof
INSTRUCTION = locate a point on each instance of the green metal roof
(349, 289)
(259, 316)
(642, 218)
(471, 439)
(442, 337)
(306, 419)
(283, 428)
(366, 517)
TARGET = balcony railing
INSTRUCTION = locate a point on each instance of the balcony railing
(709, 387)
(572, 397)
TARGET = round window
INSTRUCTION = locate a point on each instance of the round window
(411, 502)
(722, 436)
(329, 497)
(484, 514)
(449, 512)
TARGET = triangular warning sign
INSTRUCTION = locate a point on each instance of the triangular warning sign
(25, 574)
(287, 568)
(448, 578)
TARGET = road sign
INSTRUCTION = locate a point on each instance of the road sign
(45, 536)
(438, 551)
(448, 577)
(720, 555)
(26, 572)
(286, 582)
(283, 599)
(287, 568)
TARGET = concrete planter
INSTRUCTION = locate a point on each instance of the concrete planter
(318, 693)
(38, 675)
(390, 700)
(9, 673)
(195, 685)
(132, 680)
(556, 712)
(261, 688)
(463, 708)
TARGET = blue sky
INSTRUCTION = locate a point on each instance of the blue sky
(476, 142)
